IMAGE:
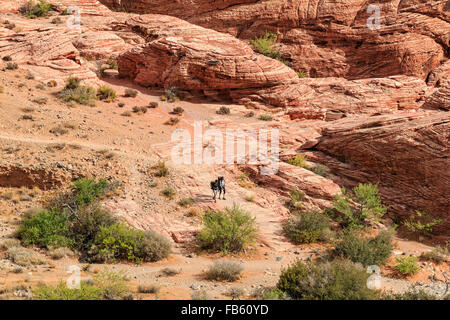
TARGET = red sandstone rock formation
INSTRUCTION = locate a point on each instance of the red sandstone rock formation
(326, 38)
(407, 155)
(180, 54)
(315, 98)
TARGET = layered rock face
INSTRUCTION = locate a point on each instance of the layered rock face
(180, 54)
(408, 155)
(317, 97)
(327, 38)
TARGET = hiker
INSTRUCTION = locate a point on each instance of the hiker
(215, 188)
(221, 181)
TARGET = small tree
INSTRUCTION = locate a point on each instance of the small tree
(361, 204)
(422, 223)
(227, 231)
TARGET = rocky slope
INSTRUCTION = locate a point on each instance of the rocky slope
(327, 38)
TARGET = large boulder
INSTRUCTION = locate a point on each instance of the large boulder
(190, 57)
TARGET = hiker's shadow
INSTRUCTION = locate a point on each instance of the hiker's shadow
(200, 197)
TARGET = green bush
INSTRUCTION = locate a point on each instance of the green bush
(86, 223)
(264, 45)
(336, 280)
(73, 91)
(365, 250)
(88, 189)
(365, 204)
(116, 242)
(321, 170)
(407, 266)
(33, 10)
(307, 228)
(302, 74)
(48, 228)
(106, 285)
(186, 202)
(265, 117)
(298, 160)
(62, 292)
(294, 203)
(223, 110)
(227, 231)
(422, 223)
(224, 271)
(106, 93)
(169, 192)
(120, 242)
(161, 169)
(412, 293)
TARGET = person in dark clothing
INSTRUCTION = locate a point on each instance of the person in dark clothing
(221, 182)
(215, 189)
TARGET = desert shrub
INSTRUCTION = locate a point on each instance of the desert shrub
(186, 202)
(302, 74)
(12, 66)
(48, 228)
(171, 94)
(298, 160)
(116, 242)
(178, 110)
(169, 272)
(56, 20)
(33, 10)
(235, 293)
(153, 247)
(437, 255)
(422, 223)
(126, 114)
(172, 121)
(88, 189)
(336, 280)
(269, 294)
(9, 243)
(63, 292)
(413, 293)
(227, 231)
(249, 114)
(72, 83)
(223, 270)
(407, 266)
(265, 117)
(106, 93)
(365, 250)
(73, 91)
(200, 295)
(365, 204)
(130, 93)
(264, 45)
(153, 105)
(307, 228)
(161, 169)
(59, 253)
(149, 288)
(321, 170)
(24, 257)
(112, 63)
(86, 223)
(169, 192)
(120, 242)
(113, 285)
(294, 203)
(223, 110)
